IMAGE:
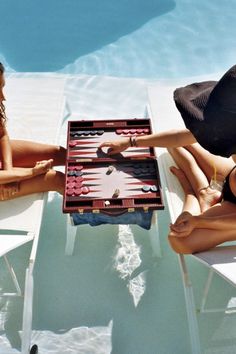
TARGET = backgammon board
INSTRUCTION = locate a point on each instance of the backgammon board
(97, 182)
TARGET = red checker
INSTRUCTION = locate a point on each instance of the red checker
(70, 185)
(139, 131)
(78, 168)
(85, 190)
(71, 179)
(133, 131)
(70, 168)
(79, 179)
(125, 131)
(78, 191)
(146, 130)
(78, 184)
(69, 192)
(72, 143)
(119, 131)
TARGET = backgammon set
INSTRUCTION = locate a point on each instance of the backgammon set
(98, 183)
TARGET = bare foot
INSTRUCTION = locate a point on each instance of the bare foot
(42, 167)
(182, 179)
(208, 197)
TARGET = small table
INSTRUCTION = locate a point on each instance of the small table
(101, 188)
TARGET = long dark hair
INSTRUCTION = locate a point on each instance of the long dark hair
(2, 107)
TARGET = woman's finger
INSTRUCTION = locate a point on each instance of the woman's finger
(178, 234)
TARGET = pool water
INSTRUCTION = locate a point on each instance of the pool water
(114, 295)
(135, 38)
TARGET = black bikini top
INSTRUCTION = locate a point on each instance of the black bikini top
(227, 194)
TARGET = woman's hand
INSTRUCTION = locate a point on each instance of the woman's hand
(42, 167)
(9, 190)
(117, 146)
(183, 226)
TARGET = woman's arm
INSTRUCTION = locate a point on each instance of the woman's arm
(221, 222)
(17, 174)
(172, 138)
(187, 222)
(5, 148)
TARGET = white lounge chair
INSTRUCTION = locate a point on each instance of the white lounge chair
(35, 109)
(220, 260)
(20, 223)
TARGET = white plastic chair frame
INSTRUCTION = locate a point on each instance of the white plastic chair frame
(15, 213)
(221, 254)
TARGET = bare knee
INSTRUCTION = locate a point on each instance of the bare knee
(60, 150)
(180, 245)
(60, 182)
(59, 155)
(57, 180)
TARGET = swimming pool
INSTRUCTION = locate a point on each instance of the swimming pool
(135, 38)
(120, 297)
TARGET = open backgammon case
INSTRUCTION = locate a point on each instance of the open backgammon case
(112, 184)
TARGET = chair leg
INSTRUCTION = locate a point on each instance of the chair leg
(206, 291)
(14, 279)
(71, 232)
(154, 236)
(34, 349)
(203, 309)
(190, 307)
(27, 311)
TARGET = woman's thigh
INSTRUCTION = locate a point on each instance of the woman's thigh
(209, 163)
(26, 153)
(222, 208)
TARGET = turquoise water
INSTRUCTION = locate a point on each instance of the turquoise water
(114, 295)
(132, 38)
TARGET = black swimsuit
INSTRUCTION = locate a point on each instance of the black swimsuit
(227, 194)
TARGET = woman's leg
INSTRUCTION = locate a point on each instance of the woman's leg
(27, 153)
(200, 239)
(211, 164)
(196, 177)
(187, 163)
(50, 181)
(191, 203)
